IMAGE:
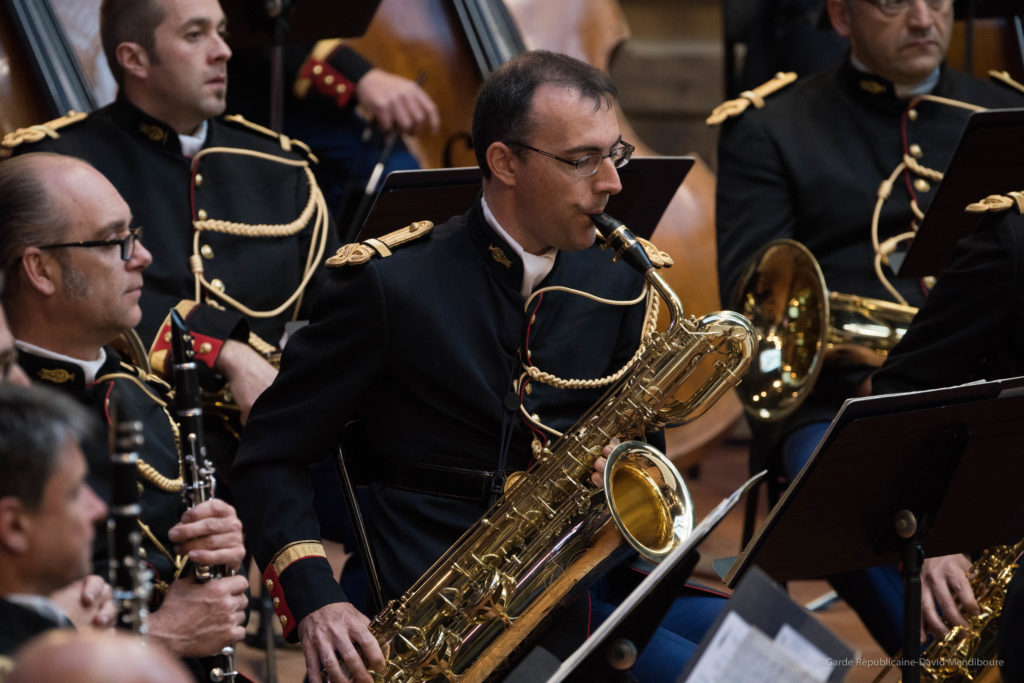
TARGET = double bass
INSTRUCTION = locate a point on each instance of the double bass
(456, 43)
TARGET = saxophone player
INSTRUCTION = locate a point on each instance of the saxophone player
(73, 263)
(424, 338)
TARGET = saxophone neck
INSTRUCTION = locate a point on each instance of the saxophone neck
(629, 249)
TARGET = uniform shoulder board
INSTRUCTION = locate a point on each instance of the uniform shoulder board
(1006, 79)
(997, 203)
(659, 258)
(358, 253)
(754, 97)
(287, 144)
(42, 130)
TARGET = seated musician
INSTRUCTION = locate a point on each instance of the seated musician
(224, 202)
(74, 263)
(970, 328)
(420, 339)
(48, 514)
(808, 164)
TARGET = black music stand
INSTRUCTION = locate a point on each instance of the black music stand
(986, 161)
(609, 653)
(648, 185)
(897, 477)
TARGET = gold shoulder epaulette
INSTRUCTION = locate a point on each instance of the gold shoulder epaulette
(1006, 79)
(995, 203)
(42, 130)
(754, 97)
(287, 144)
(659, 258)
(358, 253)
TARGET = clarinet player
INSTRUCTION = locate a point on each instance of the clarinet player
(73, 262)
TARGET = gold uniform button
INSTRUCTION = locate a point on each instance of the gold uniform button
(922, 185)
(529, 389)
(167, 337)
(284, 620)
(205, 348)
(199, 179)
(318, 69)
(328, 79)
(915, 151)
(340, 89)
(217, 284)
(207, 251)
(912, 115)
(201, 214)
(277, 602)
(269, 584)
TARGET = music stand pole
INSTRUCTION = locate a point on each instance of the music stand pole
(912, 558)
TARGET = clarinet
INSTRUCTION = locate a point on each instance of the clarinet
(128, 574)
(196, 469)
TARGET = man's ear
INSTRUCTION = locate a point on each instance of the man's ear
(133, 59)
(503, 162)
(13, 525)
(839, 13)
(40, 270)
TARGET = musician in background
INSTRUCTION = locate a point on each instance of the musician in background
(343, 107)
(970, 328)
(224, 203)
(415, 353)
(110, 657)
(73, 264)
(47, 515)
(808, 166)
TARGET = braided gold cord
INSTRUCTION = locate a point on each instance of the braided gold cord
(315, 209)
(158, 480)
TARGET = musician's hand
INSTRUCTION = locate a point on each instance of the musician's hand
(393, 101)
(597, 478)
(88, 602)
(247, 372)
(199, 619)
(334, 630)
(211, 534)
(945, 588)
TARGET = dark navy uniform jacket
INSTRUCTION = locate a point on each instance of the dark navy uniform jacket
(971, 327)
(420, 350)
(142, 158)
(141, 398)
(808, 166)
(18, 625)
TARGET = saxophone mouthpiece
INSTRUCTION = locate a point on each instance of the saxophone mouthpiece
(627, 247)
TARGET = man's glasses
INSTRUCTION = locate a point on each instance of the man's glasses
(587, 165)
(127, 244)
(895, 7)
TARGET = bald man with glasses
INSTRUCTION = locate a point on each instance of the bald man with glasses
(73, 264)
(809, 165)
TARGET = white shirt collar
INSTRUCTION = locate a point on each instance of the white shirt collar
(89, 368)
(535, 267)
(191, 144)
(902, 90)
(41, 605)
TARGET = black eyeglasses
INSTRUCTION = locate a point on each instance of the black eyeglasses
(127, 244)
(895, 7)
(588, 164)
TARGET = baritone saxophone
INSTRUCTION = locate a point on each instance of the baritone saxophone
(549, 533)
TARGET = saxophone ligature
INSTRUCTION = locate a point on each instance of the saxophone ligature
(197, 471)
(129, 575)
(551, 532)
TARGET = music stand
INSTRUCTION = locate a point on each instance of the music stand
(648, 185)
(986, 161)
(609, 653)
(896, 472)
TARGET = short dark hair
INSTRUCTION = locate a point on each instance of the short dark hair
(35, 422)
(128, 21)
(504, 104)
(28, 216)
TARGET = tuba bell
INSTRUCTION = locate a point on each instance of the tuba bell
(799, 323)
